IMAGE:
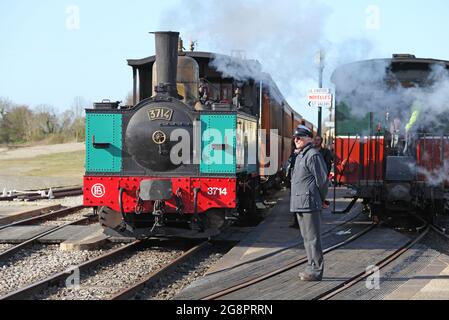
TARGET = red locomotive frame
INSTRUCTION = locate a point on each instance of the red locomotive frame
(213, 193)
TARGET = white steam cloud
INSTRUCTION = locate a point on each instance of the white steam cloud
(284, 36)
(371, 87)
(367, 87)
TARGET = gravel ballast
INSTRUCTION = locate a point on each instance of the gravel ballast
(4, 247)
(37, 262)
(191, 270)
(111, 277)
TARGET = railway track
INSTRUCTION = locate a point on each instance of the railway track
(301, 261)
(54, 280)
(327, 232)
(342, 286)
(385, 262)
(96, 265)
(39, 195)
(152, 278)
(380, 265)
(29, 260)
(46, 217)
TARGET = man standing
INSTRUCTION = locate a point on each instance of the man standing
(325, 152)
(309, 186)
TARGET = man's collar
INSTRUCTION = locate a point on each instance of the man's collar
(307, 147)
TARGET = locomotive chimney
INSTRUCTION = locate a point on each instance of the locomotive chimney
(167, 60)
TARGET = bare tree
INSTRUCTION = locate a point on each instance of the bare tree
(20, 123)
(78, 124)
(16, 124)
(5, 105)
(45, 120)
(78, 106)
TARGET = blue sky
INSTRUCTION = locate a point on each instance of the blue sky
(50, 54)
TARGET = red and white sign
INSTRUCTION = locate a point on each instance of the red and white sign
(320, 98)
(98, 190)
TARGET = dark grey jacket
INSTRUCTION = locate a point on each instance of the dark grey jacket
(309, 183)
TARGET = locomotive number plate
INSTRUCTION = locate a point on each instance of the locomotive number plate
(160, 114)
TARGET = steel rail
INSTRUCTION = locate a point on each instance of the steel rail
(24, 215)
(292, 265)
(34, 193)
(383, 263)
(30, 290)
(56, 194)
(294, 245)
(47, 216)
(131, 291)
(6, 254)
(438, 230)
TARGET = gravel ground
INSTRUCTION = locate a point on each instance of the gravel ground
(67, 202)
(185, 274)
(27, 152)
(29, 183)
(38, 262)
(4, 247)
(111, 277)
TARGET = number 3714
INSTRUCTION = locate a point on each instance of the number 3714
(214, 191)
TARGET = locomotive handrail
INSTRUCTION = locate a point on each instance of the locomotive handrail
(120, 201)
(99, 144)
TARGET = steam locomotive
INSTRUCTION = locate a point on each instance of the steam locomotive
(181, 161)
(392, 141)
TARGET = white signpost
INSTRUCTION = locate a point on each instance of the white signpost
(320, 98)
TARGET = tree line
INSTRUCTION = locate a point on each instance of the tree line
(21, 124)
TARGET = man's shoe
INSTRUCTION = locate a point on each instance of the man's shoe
(309, 277)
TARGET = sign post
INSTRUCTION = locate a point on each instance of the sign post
(320, 98)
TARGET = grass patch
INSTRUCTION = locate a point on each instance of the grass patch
(67, 164)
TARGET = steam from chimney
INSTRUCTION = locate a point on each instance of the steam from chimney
(282, 35)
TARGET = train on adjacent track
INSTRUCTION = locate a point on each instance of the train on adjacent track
(181, 161)
(392, 135)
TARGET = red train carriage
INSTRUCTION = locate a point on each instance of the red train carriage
(387, 150)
